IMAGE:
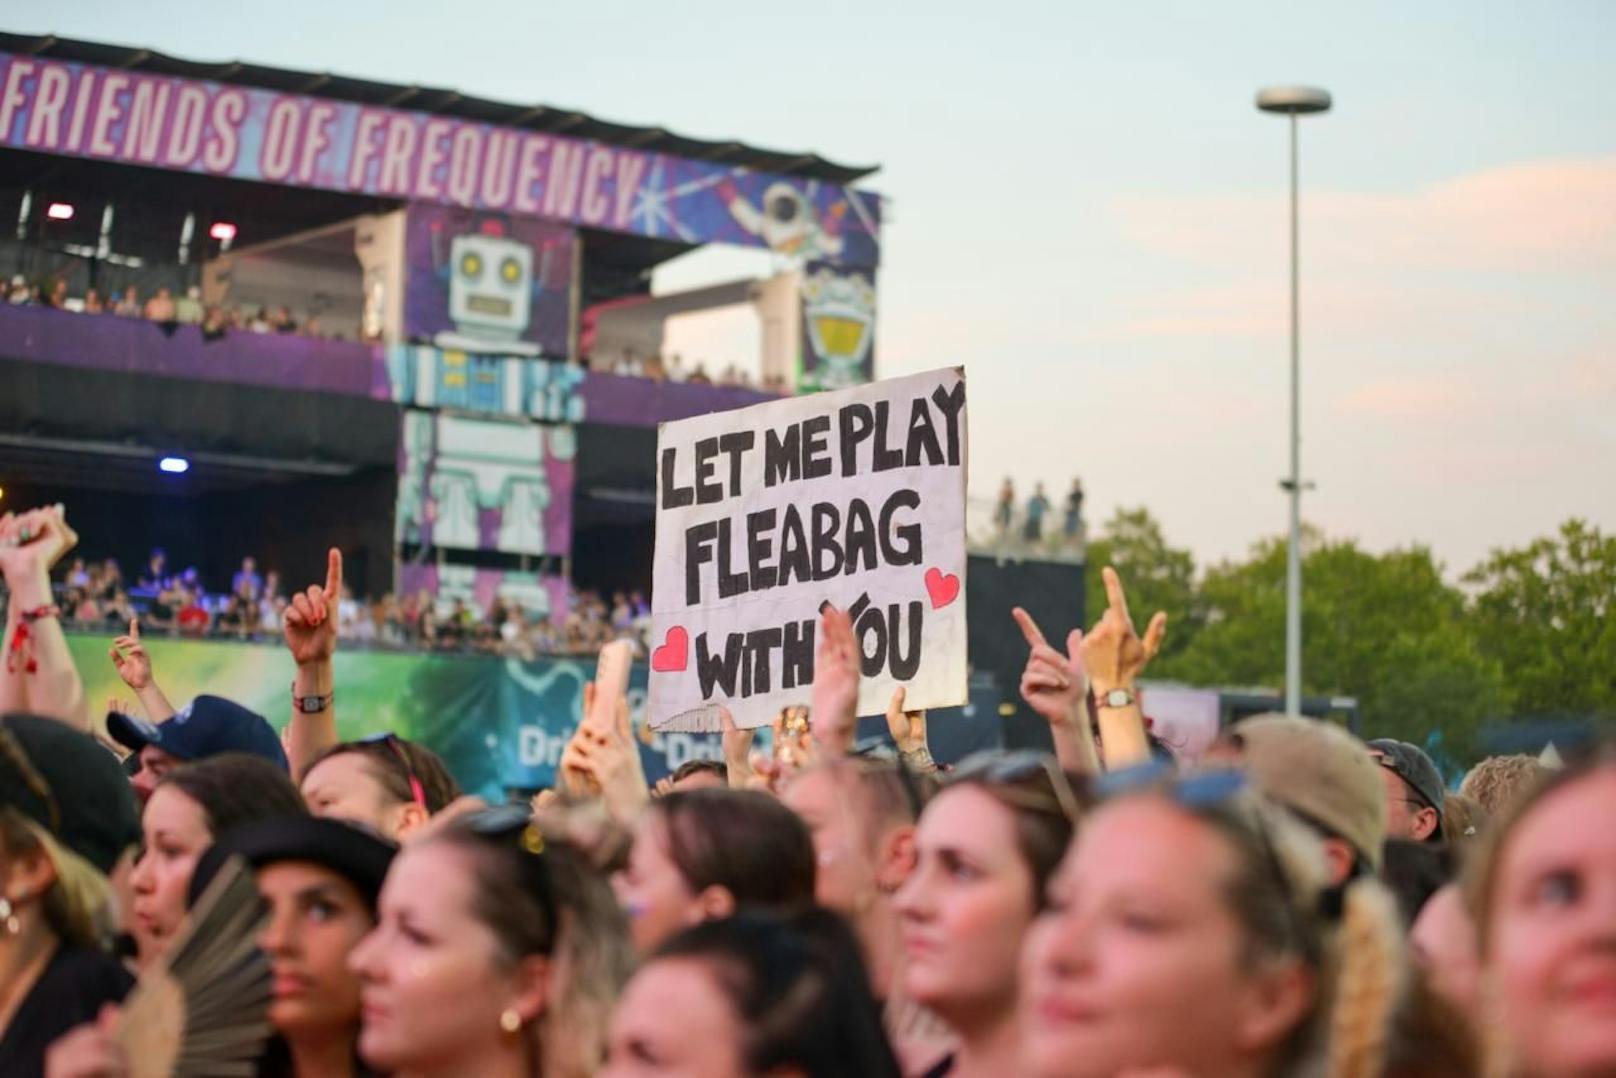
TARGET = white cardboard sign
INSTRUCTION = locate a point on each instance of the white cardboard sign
(855, 498)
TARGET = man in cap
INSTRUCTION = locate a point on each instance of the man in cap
(208, 726)
(1323, 775)
(1413, 790)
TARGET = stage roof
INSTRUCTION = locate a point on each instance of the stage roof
(443, 102)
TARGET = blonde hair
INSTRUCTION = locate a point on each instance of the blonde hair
(1499, 781)
(78, 905)
(1370, 981)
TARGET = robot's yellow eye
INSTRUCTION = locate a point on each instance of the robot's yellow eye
(509, 270)
(471, 265)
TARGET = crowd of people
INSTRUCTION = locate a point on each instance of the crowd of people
(168, 307)
(95, 594)
(673, 369)
(1297, 902)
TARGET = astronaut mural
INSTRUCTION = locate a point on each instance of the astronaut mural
(483, 484)
(488, 283)
(838, 327)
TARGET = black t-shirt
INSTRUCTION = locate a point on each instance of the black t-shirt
(70, 992)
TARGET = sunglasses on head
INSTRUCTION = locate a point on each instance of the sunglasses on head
(515, 823)
(417, 791)
(1001, 768)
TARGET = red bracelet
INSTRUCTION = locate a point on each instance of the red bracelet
(21, 652)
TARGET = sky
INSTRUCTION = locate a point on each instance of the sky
(1086, 211)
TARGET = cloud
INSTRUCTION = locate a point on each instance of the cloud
(1538, 216)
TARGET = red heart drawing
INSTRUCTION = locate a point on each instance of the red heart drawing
(942, 587)
(674, 655)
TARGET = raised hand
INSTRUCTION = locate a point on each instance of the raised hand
(1052, 684)
(1113, 653)
(834, 711)
(31, 544)
(908, 728)
(129, 658)
(737, 750)
(311, 616)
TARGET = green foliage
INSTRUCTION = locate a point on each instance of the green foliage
(1544, 612)
(1535, 633)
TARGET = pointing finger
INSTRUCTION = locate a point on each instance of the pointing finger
(1074, 646)
(1154, 633)
(1029, 628)
(134, 628)
(333, 573)
(1116, 599)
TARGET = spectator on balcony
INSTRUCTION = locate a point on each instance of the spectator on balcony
(1037, 506)
(58, 294)
(283, 322)
(312, 327)
(247, 583)
(699, 376)
(93, 303)
(129, 305)
(1074, 510)
(155, 578)
(160, 308)
(78, 576)
(110, 581)
(192, 618)
(215, 324)
(188, 308)
(270, 612)
(19, 290)
(676, 368)
(117, 611)
(259, 323)
(1005, 507)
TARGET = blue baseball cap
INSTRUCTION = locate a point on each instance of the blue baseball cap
(205, 727)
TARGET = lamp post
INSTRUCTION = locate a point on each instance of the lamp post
(1294, 101)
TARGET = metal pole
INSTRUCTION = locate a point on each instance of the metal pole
(1293, 568)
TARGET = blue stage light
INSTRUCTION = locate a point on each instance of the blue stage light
(174, 465)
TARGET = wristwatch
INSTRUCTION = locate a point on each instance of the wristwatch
(1117, 698)
(312, 705)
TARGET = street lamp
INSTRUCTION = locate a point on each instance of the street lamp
(1294, 101)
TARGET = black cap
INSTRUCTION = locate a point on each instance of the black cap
(71, 786)
(358, 855)
(206, 727)
(1413, 766)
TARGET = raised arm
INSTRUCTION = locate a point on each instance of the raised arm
(37, 672)
(134, 666)
(1114, 656)
(311, 637)
(834, 712)
(1054, 686)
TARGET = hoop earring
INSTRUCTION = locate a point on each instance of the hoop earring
(510, 1021)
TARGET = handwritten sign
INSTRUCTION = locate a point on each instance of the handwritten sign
(765, 513)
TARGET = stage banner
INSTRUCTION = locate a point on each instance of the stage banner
(193, 125)
(485, 484)
(488, 282)
(854, 498)
(838, 327)
(499, 723)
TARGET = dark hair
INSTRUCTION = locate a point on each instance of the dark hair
(392, 759)
(701, 767)
(234, 788)
(1413, 872)
(539, 896)
(1028, 784)
(799, 989)
(741, 840)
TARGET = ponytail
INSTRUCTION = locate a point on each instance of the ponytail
(1370, 981)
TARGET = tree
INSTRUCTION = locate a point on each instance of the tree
(1157, 576)
(1382, 628)
(1546, 614)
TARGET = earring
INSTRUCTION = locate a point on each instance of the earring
(9, 916)
(510, 1021)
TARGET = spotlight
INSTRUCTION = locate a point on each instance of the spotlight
(174, 465)
(222, 231)
(59, 211)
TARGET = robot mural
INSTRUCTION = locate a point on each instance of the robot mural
(488, 283)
